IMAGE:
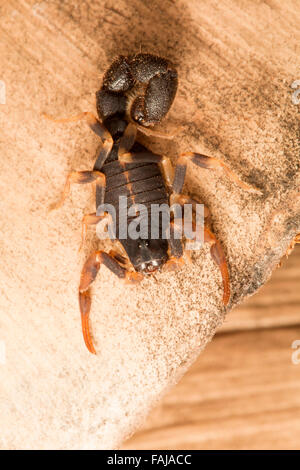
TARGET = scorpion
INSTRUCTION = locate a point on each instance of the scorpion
(136, 94)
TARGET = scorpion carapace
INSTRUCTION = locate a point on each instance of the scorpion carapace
(136, 93)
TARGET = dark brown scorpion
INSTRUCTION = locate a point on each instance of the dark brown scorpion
(136, 93)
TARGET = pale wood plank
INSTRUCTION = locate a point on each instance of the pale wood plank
(243, 393)
(276, 304)
(236, 62)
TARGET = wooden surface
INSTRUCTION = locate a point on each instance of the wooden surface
(243, 392)
(236, 61)
(277, 304)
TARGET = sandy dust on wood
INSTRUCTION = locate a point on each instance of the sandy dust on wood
(236, 62)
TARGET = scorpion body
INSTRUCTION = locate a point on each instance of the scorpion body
(140, 183)
(136, 93)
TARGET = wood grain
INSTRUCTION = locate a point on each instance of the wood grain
(236, 61)
(276, 304)
(243, 392)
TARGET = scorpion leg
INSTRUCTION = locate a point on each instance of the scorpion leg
(216, 249)
(91, 120)
(96, 126)
(204, 161)
(218, 257)
(175, 260)
(127, 140)
(140, 157)
(88, 275)
(81, 177)
(182, 199)
(167, 171)
(94, 218)
(118, 256)
(89, 219)
(149, 131)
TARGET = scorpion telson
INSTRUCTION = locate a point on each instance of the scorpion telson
(136, 93)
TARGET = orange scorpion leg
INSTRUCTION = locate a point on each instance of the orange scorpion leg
(80, 177)
(218, 257)
(88, 275)
(96, 126)
(216, 249)
(209, 163)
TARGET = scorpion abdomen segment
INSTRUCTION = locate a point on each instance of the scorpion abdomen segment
(139, 183)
